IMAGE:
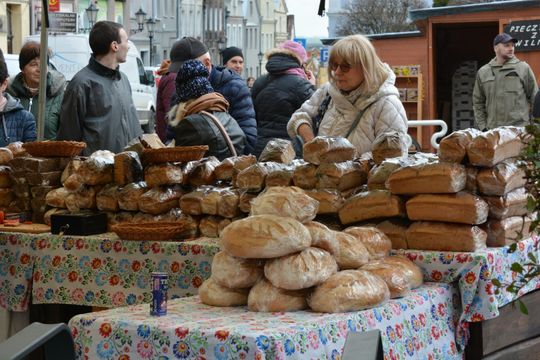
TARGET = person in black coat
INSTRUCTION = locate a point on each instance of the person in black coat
(281, 92)
(536, 106)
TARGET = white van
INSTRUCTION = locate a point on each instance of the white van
(71, 52)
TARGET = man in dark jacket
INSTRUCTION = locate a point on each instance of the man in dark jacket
(97, 107)
(224, 81)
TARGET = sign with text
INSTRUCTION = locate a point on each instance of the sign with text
(527, 34)
(63, 22)
(54, 5)
(324, 55)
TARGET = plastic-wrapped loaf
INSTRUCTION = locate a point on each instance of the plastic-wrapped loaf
(191, 203)
(281, 175)
(376, 242)
(400, 274)
(169, 216)
(342, 176)
(73, 183)
(128, 197)
(395, 229)
(453, 148)
(471, 185)
(502, 178)
(140, 217)
(213, 294)
(264, 236)
(370, 205)
(228, 202)
(127, 168)
(349, 290)
(324, 149)
(107, 198)
(71, 168)
(302, 270)
(241, 163)
(433, 178)
(253, 178)
(287, 201)
(210, 200)
(439, 236)
(190, 226)
(278, 150)
(51, 178)
(163, 174)
(5, 156)
(330, 200)
(506, 231)
(236, 273)
(98, 169)
(265, 297)
(5, 177)
(244, 202)
(512, 204)
(57, 198)
(160, 199)
(387, 145)
(346, 249)
(203, 172)
(305, 176)
(187, 168)
(41, 165)
(85, 197)
(209, 226)
(494, 146)
(463, 207)
(122, 217)
(225, 169)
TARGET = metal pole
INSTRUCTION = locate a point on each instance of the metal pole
(177, 19)
(43, 70)
(150, 54)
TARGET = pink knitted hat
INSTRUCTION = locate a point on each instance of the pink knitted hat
(296, 48)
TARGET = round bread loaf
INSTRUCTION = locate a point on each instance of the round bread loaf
(264, 236)
(235, 273)
(302, 270)
(349, 290)
(5, 155)
(286, 201)
(211, 293)
(375, 241)
(265, 297)
(346, 249)
(410, 270)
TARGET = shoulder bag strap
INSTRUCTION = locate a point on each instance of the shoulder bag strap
(222, 131)
(357, 119)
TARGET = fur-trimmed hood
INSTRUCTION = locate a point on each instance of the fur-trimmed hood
(280, 60)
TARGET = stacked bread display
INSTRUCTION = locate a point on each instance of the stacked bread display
(278, 259)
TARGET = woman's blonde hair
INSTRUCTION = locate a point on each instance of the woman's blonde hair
(357, 50)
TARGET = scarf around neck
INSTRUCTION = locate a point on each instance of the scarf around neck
(210, 102)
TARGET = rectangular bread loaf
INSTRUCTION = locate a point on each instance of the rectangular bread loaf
(342, 176)
(501, 178)
(330, 200)
(127, 168)
(453, 148)
(512, 204)
(494, 146)
(439, 236)
(396, 230)
(506, 231)
(432, 178)
(325, 149)
(305, 176)
(371, 205)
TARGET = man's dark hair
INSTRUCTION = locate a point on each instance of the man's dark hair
(102, 35)
(3, 71)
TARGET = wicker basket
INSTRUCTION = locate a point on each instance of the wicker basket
(154, 231)
(54, 148)
(174, 154)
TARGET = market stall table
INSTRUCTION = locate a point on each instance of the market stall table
(418, 326)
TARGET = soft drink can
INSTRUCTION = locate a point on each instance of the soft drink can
(160, 282)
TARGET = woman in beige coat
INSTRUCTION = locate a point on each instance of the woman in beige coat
(360, 102)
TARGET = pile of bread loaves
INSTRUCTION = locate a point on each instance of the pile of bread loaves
(278, 259)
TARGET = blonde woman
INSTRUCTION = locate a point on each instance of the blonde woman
(360, 102)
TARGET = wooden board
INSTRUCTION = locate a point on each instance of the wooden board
(27, 228)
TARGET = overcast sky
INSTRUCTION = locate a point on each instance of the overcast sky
(307, 22)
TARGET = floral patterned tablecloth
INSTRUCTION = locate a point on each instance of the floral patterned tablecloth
(99, 270)
(418, 326)
(474, 273)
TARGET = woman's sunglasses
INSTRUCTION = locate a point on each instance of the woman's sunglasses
(344, 67)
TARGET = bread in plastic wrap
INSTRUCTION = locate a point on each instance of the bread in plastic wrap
(512, 204)
(305, 176)
(241, 163)
(462, 207)
(140, 217)
(471, 185)
(330, 200)
(376, 242)
(51, 178)
(228, 202)
(107, 198)
(73, 183)
(494, 146)
(163, 174)
(224, 170)
(223, 224)
(278, 150)
(53, 211)
(265, 236)
(349, 290)
(253, 178)
(57, 198)
(346, 249)
(5, 156)
(85, 197)
(453, 147)
(190, 226)
(395, 229)
(370, 205)
(234, 272)
(209, 226)
(301, 270)
(244, 202)
(280, 175)
(71, 168)
(431, 178)
(265, 297)
(128, 197)
(203, 172)
(160, 199)
(342, 176)
(122, 217)
(390, 144)
(501, 178)
(211, 293)
(287, 201)
(191, 203)
(507, 231)
(170, 216)
(439, 236)
(98, 169)
(325, 149)
(400, 274)
(127, 168)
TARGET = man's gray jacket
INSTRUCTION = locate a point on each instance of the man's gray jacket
(98, 109)
(503, 95)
